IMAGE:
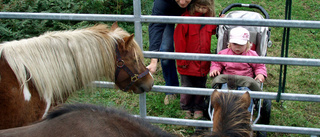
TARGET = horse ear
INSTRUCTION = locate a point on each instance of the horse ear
(114, 26)
(126, 42)
(245, 98)
(214, 94)
(128, 39)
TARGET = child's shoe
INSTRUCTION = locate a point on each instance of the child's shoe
(187, 114)
(198, 114)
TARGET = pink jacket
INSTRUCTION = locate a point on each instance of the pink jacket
(235, 68)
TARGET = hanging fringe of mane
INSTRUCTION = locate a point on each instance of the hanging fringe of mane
(234, 116)
(58, 63)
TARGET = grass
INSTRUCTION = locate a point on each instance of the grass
(304, 43)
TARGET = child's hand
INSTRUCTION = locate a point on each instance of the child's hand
(260, 77)
(214, 73)
(222, 15)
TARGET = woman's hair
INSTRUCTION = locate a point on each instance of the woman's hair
(208, 3)
(248, 45)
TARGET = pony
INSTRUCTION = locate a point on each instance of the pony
(231, 117)
(41, 72)
(84, 120)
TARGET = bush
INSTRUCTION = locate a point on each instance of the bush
(12, 29)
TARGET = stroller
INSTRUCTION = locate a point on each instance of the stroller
(260, 38)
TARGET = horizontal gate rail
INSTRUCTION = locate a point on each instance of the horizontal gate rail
(233, 58)
(207, 91)
(162, 19)
(255, 127)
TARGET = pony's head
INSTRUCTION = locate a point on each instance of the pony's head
(131, 73)
(231, 116)
(61, 62)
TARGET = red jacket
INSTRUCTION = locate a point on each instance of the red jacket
(193, 38)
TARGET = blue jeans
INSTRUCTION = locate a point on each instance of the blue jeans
(225, 86)
(169, 69)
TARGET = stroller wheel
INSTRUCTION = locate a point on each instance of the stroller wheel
(265, 112)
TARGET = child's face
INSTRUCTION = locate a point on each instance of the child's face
(238, 49)
(201, 8)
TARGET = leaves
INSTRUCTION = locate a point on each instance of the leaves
(13, 29)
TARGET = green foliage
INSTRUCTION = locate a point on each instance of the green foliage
(13, 29)
(304, 43)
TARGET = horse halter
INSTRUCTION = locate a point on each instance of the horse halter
(121, 65)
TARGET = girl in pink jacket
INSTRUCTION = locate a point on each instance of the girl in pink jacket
(239, 45)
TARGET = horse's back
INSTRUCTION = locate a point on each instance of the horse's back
(87, 120)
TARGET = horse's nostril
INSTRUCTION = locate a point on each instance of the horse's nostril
(142, 90)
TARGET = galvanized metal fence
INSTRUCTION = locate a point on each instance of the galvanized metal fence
(138, 19)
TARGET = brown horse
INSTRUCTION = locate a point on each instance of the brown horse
(231, 117)
(41, 72)
(83, 120)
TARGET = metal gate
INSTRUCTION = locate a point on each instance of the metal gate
(137, 18)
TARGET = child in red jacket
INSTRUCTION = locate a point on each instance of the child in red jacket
(194, 38)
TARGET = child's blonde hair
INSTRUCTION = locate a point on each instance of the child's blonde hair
(248, 46)
(209, 3)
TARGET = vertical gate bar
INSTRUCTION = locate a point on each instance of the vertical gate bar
(284, 51)
(287, 46)
(137, 22)
(138, 38)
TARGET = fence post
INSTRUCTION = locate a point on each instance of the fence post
(285, 41)
(138, 38)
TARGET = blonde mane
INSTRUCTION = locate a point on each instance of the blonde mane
(61, 62)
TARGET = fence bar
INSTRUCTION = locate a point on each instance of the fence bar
(286, 129)
(255, 127)
(236, 22)
(177, 121)
(138, 38)
(162, 19)
(233, 58)
(67, 16)
(208, 91)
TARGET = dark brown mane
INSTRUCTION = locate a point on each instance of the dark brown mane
(233, 118)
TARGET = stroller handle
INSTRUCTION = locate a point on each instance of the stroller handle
(265, 13)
